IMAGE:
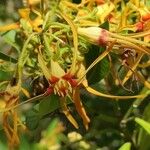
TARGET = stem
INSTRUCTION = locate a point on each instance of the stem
(138, 35)
(42, 8)
(130, 44)
(25, 102)
(75, 42)
(132, 68)
(23, 58)
(128, 39)
(97, 60)
(47, 43)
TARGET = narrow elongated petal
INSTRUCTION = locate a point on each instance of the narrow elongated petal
(67, 113)
(56, 69)
(12, 26)
(80, 109)
(112, 97)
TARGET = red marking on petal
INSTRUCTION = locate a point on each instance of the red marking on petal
(53, 80)
(139, 26)
(73, 82)
(110, 18)
(103, 38)
(49, 91)
(71, 79)
(146, 17)
(99, 2)
(63, 90)
(67, 76)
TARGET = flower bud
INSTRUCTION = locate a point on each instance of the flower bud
(94, 35)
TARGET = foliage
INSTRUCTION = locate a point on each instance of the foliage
(85, 62)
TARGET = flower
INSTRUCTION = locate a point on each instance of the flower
(94, 35)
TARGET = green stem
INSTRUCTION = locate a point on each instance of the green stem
(47, 43)
(23, 57)
(75, 41)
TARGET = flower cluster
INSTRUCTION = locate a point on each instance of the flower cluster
(53, 39)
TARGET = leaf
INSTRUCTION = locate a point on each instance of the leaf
(2, 146)
(101, 69)
(32, 119)
(143, 135)
(24, 143)
(48, 105)
(144, 124)
(11, 59)
(9, 37)
(52, 126)
(125, 146)
(5, 75)
(105, 25)
(7, 58)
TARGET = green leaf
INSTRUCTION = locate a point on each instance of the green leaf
(144, 124)
(52, 126)
(11, 59)
(125, 146)
(5, 75)
(32, 119)
(101, 69)
(105, 25)
(48, 105)
(9, 37)
(7, 58)
(24, 143)
(2, 146)
(143, 135)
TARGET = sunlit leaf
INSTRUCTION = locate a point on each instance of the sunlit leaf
(3, 147)
(52, 126)
(144, 124)
(143, 135)
(126, 146)
(9, 38)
